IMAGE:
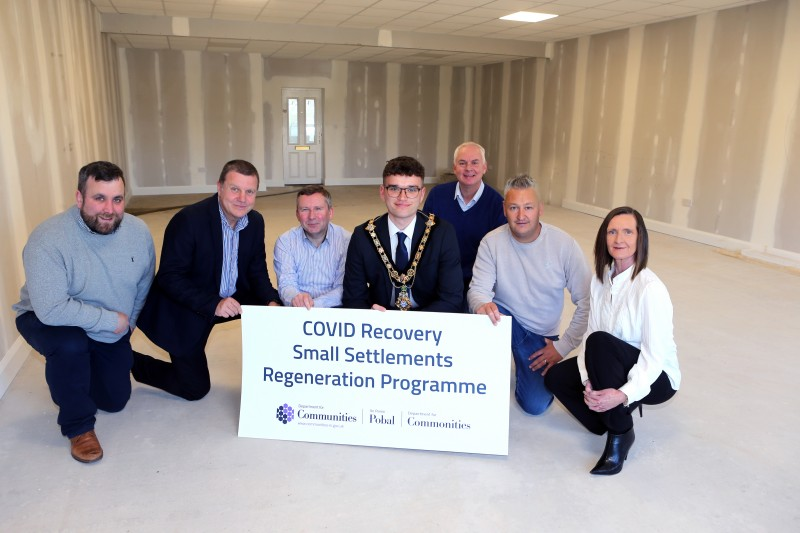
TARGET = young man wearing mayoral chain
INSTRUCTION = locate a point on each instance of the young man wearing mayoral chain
(403, 259)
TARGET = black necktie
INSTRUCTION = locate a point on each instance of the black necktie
(401, 252)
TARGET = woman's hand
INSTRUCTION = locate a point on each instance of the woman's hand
(602, 400)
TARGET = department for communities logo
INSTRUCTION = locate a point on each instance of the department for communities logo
(285, 413)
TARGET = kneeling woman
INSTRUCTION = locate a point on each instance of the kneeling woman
(628, 357)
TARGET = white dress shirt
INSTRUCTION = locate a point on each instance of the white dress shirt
(464, 205)
(408, 231)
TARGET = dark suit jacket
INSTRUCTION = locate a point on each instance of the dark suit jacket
(438, 285)
(179, 311)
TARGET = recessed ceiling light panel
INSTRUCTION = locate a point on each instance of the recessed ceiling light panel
(528, 16)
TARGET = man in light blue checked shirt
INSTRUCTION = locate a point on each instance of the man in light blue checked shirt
(309, 259)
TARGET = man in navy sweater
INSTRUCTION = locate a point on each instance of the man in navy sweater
(469, 204)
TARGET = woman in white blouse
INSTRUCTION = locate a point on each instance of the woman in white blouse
(628, 356)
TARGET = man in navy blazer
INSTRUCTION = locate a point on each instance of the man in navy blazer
(213, 261)
(403, 259)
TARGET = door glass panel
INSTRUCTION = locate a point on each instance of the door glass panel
(311, 131)
(292, 116)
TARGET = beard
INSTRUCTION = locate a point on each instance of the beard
(100, 225)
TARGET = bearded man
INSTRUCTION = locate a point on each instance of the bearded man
(87, 271)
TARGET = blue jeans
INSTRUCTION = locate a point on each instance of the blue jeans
(531, 393)
(83, 374)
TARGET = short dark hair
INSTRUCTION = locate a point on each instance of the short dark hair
(100, 171)
(240, 166)
(308, 190)
(403, 166)
(602, 258)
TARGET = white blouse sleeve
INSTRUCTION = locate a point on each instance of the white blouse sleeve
(657, 341)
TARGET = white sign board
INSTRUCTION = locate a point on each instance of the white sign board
(430, 381)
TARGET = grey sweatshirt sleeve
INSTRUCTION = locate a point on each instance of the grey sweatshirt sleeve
(484, 277)
(578, 282)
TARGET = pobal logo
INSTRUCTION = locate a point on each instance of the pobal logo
(285, 413)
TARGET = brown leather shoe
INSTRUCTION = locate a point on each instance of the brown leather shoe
(86, 448)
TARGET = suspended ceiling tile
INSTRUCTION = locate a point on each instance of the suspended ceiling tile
(189, 11)
(325, 9)
(671, 10)
(236, 12)
(467, 3)
(279, 19)
(361, 21)
(326, 21)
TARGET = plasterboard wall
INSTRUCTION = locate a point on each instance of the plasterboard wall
(691, 121)
(58, 110)
(186, 113)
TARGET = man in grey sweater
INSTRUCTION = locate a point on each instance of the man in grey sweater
(87, 272)
(521, 270)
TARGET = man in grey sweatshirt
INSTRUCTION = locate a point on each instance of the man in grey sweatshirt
(521, 271)
(87, 272)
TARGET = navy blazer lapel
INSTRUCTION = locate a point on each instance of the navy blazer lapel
(215, 228)
(246, 239)
(419, 229)
(382, 231)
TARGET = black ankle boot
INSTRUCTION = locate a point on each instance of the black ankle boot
(617, 446)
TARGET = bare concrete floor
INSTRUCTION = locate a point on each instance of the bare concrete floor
(721, 456)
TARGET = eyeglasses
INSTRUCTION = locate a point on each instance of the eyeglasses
(394, 191)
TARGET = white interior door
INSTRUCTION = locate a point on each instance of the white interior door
(302, 136)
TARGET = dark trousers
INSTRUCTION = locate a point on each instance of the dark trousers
(83, 375)
(186, 376)
(608, 361)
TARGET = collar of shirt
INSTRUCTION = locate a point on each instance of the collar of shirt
(240, 224)
(309, 242)
(620, 278)
(460, 198)
(408, 231)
